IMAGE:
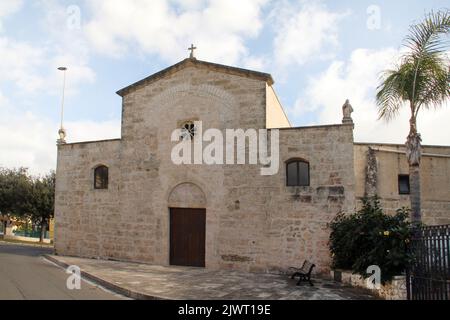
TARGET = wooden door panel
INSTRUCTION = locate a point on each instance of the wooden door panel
(187, 237)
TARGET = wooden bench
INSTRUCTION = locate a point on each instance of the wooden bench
(304, 273)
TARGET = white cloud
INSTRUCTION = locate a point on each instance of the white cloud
(9, 7)
(30, 68)
(258, 63)
(29, 140)
(304, 31)
(65, 47)
(26, 140)
(189, 4)
(19, 62)
(357, 80)
(88, 130)
(3, 100)
(27, 70)
(218, 28)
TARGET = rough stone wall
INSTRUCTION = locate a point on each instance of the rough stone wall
(435, 180)
(283, 225)
(87, 221)
(253, 223)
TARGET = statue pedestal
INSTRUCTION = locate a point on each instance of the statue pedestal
(347, 120)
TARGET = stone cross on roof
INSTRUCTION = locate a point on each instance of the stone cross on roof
(192, 48)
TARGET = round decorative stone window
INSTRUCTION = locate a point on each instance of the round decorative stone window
(188, 130)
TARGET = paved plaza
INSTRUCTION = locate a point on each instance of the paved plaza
(143, 281)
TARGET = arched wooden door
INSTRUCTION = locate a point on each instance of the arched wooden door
(187, 237)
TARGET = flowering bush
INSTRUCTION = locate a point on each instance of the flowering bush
(370, 237)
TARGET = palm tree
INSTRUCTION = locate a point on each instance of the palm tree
(422, 81)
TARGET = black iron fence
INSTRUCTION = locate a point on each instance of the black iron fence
(429, 275)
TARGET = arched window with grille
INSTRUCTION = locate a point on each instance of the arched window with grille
(101, 177)
(297, 173)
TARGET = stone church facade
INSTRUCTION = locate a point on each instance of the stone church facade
(213, 216)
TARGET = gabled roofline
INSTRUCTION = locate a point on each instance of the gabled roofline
(194, 62)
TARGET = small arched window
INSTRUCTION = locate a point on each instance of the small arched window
(297, 173)
(101, 177)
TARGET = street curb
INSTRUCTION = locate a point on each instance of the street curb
(106, 284)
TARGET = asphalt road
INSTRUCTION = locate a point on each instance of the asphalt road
(26, 275)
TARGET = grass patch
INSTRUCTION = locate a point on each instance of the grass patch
(35, 244)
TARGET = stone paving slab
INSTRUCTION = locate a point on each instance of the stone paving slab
(143, 281)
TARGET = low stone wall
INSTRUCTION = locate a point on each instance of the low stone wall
(27, 239)
(394, 290)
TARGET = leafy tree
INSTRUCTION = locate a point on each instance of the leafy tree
(25, 197)
(420, 81)
(370, 237)
(42, 201)
(15, 189)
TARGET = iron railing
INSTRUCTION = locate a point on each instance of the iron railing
(429, 275)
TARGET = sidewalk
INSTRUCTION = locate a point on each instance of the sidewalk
(24, 243)
(141, 281)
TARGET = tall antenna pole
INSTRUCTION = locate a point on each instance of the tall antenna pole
(62, 131)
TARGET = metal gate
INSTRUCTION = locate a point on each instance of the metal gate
(428, 277)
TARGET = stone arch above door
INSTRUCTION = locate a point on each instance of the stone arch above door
(187, 195)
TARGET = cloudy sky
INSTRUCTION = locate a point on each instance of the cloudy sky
(319, 53)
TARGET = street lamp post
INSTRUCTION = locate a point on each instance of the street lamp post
(62, 131)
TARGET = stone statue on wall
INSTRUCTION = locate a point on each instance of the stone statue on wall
(347, 111)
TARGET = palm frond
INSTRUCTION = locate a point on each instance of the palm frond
(433, 81)
(426, 36)
(423, 75)
(391, 94)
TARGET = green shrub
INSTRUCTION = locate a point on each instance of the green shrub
(370, 237)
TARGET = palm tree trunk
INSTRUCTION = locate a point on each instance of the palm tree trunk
(414, 178)
(413, 154)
